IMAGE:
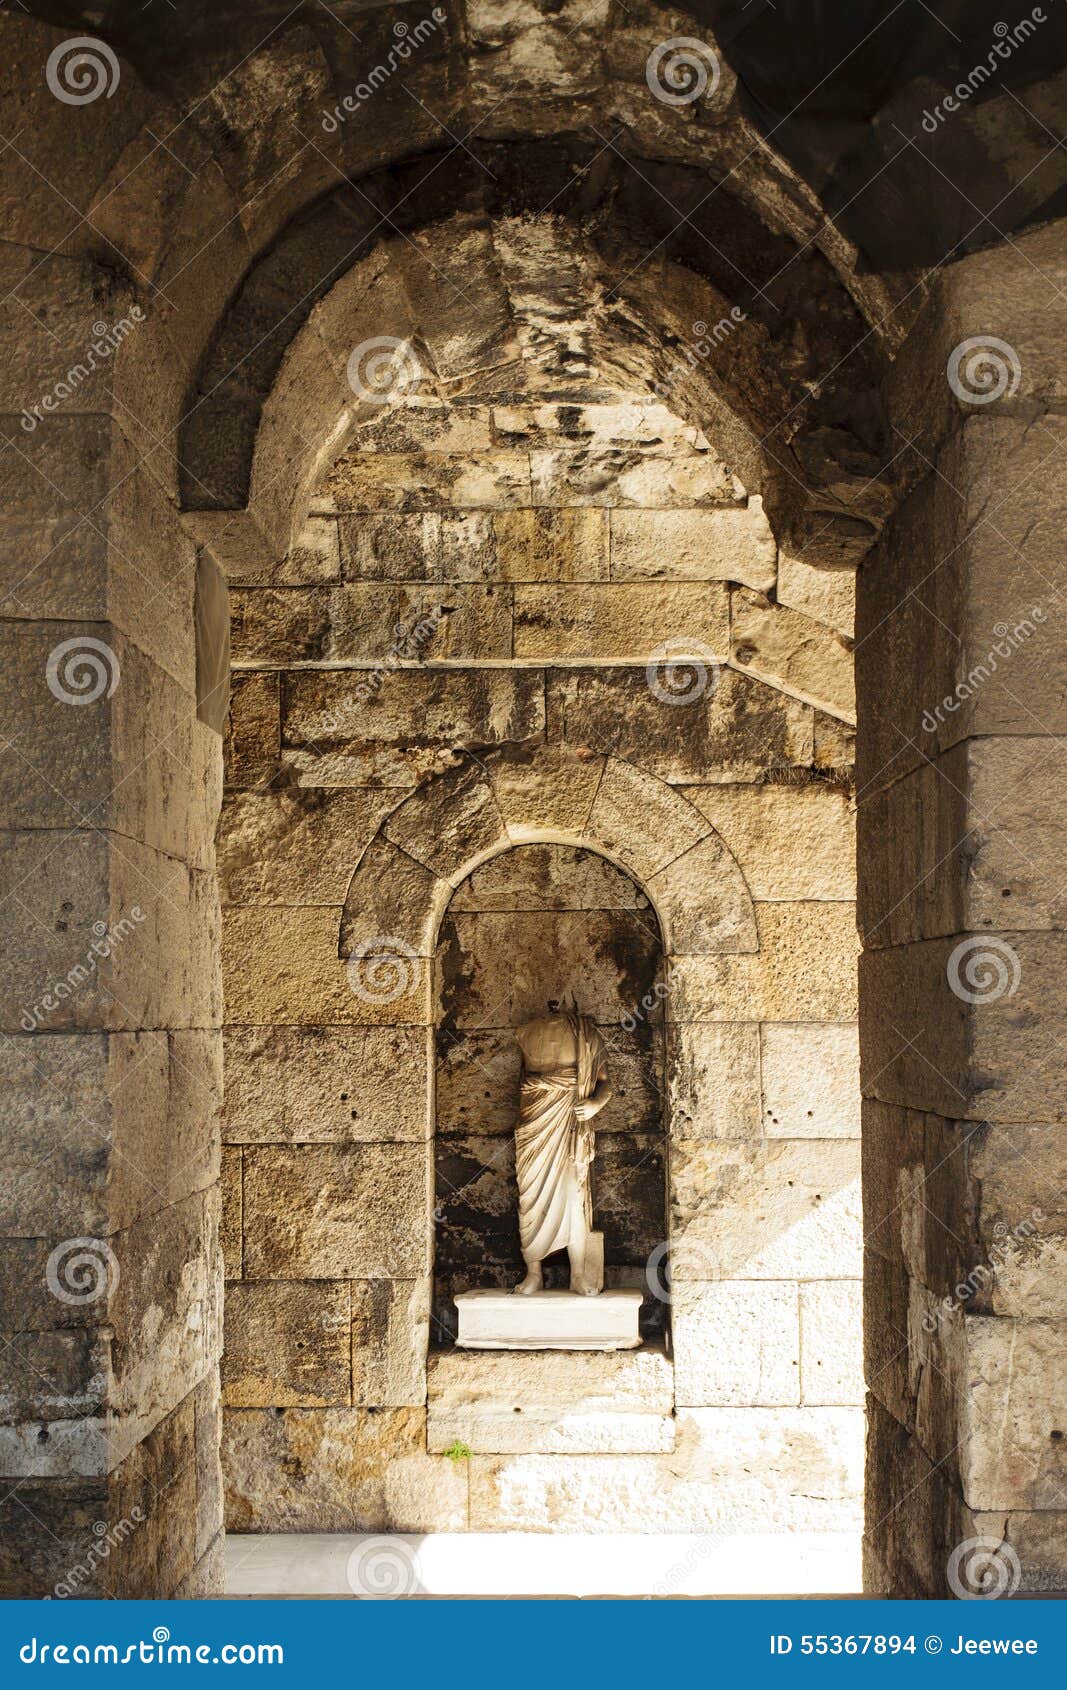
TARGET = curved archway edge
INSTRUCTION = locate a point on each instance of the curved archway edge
(546, 794)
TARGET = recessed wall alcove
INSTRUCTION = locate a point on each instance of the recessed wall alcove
(530, 926)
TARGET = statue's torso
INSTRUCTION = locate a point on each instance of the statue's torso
(547, 1044)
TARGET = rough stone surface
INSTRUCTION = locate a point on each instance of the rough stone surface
(793, 652)
(341, 1469)
(766, 1210)
(629, 621)
(328, 1211)
(734, 728)
(741, 1469)
(390, 1331)
(805, 970)
(789, 841)
(831, 1317)
(699, 545)
(287, 1345)
(281, 966)
(296, 847)
(517, 1403)
(555, 388)
(714, 1080)
(826, 595)
(811, 1081)
(317, 1084)
(734, 1342)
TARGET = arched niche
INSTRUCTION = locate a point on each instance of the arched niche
(533, 924)
(668, 887)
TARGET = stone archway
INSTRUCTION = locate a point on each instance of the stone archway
(109, 806)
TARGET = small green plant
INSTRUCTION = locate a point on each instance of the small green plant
(459, 1451)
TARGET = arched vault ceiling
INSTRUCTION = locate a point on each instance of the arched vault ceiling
(831, 96)
(497, 305)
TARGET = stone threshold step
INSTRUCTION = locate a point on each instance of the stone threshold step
(560, 1564)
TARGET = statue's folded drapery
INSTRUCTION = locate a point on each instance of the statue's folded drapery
(554, 1150)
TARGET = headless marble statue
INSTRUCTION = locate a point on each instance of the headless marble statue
(564, 1084)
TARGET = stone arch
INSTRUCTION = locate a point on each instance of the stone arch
(554, 794)
(482, 808)
(269, 410)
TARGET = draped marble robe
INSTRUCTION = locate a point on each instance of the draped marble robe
(563, 1067)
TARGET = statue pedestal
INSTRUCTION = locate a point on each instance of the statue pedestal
(548, 1320)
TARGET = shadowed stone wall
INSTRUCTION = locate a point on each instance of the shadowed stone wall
(962, 798)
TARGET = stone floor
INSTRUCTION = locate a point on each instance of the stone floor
(531, 1564)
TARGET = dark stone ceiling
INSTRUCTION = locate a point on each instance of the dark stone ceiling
(840, 88)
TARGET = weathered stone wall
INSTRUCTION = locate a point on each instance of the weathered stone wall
(961, 851)
(110, 1008)
(534, 641)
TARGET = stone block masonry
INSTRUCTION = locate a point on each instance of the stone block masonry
(520, 805)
